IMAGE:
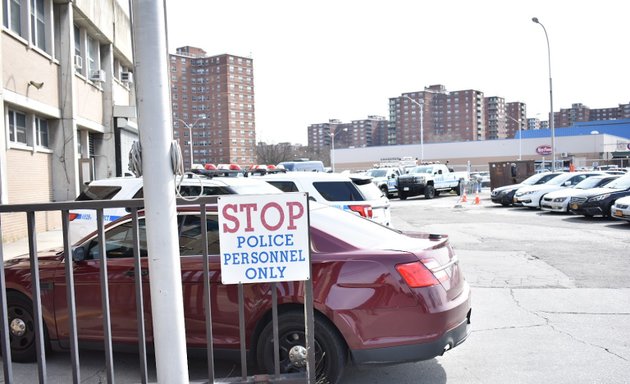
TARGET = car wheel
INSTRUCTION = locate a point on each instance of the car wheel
(402, 196)
(429, 192)
(22, 328)
(460, 188)
(330, 349)
(384, 190)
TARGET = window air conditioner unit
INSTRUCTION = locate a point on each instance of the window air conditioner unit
(126, 77)
(565, 154)
(97, 75)
(78, 62)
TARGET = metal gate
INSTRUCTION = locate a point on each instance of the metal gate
(133, 207)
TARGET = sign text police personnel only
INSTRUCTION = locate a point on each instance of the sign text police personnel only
(264, 238)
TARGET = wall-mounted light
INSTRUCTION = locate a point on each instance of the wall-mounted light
(36, 84)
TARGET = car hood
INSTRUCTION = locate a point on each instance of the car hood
(507, 187)
(541, 187)
(43, 257)
(566, 192)
(597, 191)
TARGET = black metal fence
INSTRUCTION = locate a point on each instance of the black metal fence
(133, 207)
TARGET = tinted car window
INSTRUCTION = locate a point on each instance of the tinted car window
(338, 191)
(190, 241)
(193, 190)
(98, 192)
(119, 242)
(285, 186)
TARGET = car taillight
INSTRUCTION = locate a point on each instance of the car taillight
(363, 210)
(417, 274)
(72, 216)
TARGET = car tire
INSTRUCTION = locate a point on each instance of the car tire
(402, 196)
(330, 349)
(22, 328)
(429, 192)
(385, 191)
(505, 204)
(459, 188)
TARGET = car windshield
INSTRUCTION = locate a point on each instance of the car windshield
(422, 170)
(590, 182)
(534, 179)
(620, 183)
(560, 179)
(99, 192)
(376, 172)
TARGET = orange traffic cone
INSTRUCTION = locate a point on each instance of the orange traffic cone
(464, 199)
(477, 200)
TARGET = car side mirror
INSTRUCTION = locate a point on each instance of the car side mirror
(78, 254)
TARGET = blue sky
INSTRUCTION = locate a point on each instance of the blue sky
(344, 59)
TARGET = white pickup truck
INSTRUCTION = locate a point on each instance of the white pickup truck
(430, 180)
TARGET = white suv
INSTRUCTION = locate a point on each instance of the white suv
(83, 221)
(354, 193)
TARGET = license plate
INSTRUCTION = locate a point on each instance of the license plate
(405, 188)
(618, 213)
(574, 206)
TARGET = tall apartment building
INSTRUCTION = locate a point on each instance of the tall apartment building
(67, 100)
(496, 118)
(213, 107)
(516, 113)
(580, 112)
(368, 132)
(358, 133)
(446, 116)
(321, 135)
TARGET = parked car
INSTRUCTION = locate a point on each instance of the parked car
(83, 221)
(505, 195)
(598, 201)
(430, 180)
(621, 209)
(380, 295)
(531, 195)
(558, 201)
(385, 179)
(354, 193)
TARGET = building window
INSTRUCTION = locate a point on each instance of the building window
(17, 127)
(38, 24)
(92, 54)
(41, 132)
(12, 15)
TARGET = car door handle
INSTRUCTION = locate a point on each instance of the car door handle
(131, 272)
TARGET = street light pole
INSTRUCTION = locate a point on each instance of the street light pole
(421, 105)
(551, 118)
(332, 149)
(190, 142)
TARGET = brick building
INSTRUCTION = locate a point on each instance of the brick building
(213, 101)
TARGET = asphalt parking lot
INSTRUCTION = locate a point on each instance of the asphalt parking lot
(551, 301)
(551, 296)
